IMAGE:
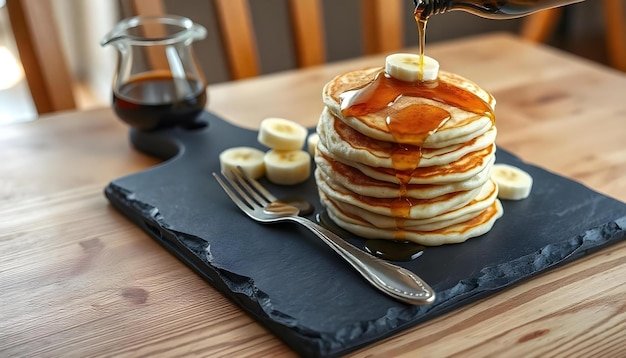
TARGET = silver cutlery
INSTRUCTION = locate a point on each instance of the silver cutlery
(256, 202)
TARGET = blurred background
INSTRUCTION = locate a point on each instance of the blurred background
(82, 24)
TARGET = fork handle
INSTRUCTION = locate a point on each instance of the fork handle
(393, 280)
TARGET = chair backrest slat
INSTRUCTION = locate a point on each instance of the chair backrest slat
(51, 84)
(42, 56)
(539, 27)
(238, 36)
(382, 25)
(308, 31)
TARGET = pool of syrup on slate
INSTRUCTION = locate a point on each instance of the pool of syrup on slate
(392, 250)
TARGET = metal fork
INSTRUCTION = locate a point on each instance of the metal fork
(256, 202)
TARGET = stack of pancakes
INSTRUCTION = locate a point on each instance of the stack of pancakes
(415, 166)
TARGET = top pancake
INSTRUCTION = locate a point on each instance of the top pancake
(461, 127)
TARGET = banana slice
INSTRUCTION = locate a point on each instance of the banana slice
(281, 134)
(287, 167)
(311, 142)
(407, 67)
(250, 160)
(513, 183)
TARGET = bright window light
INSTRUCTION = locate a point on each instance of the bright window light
(11, 71)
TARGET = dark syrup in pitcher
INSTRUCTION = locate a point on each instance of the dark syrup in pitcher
(153, 101)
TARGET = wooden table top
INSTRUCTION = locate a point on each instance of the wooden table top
(79, 279)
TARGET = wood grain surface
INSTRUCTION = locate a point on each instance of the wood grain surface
(78, 279)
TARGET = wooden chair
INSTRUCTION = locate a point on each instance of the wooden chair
(381, 19)
(41, 54)
(51, 84)
(540, 26)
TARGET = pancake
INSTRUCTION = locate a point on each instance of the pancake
(351, 145)
(460, 128)
(452, 234)
(352, 214)
(355, 181)
(463, 169)
(402, 207)
(407, 160)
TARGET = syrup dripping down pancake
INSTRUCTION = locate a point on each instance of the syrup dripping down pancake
(460, 128)
(352, 145)
(407, 160)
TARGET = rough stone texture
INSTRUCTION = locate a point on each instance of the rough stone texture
(299, 288)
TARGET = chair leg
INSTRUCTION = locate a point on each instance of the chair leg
(615, 33)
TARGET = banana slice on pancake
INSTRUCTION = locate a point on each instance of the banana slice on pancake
(411, 67)
(406, 152)
(461, 127)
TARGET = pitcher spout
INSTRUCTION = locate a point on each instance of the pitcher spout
(110, 40)
(118, 33)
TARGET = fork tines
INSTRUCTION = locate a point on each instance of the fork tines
(251, 191)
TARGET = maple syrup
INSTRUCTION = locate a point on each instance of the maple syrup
(303, 205)
(415, 123)
(394, 250)
(324, 219)
(492, 9)
(151, 102)
(412, 125)
(157, 83)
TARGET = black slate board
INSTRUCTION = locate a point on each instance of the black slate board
(298, 288)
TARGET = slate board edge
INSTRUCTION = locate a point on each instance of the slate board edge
(147, 218)
(314, 345)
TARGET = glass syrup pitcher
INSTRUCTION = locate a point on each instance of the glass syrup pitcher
(158, 83)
